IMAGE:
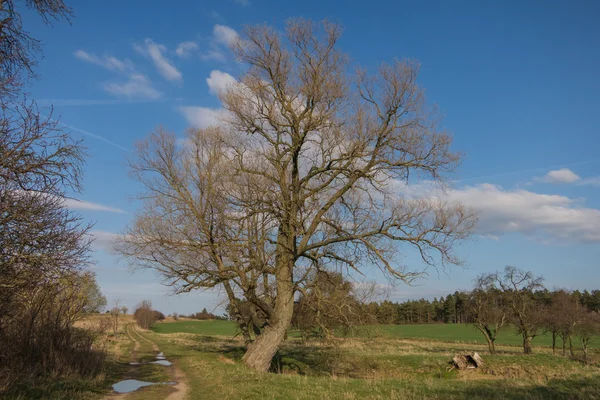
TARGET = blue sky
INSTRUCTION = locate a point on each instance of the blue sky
(517, 82)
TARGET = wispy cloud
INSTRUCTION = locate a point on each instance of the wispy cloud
(108, 62)
(75, 204)
(244, 3)
(595, 181)
(137, 85)
(104, 240)
(163, 65)
(222, 38)
(95, 102)
(185, 49)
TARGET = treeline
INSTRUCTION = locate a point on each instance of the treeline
(203, 315)
(513, 297)
(44, 246)
(454, 308)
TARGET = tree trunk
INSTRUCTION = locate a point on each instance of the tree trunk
(584, 347)
(553, 342)
(491, 346)
(564, 343)
(571, 351)
(261, 351)
(527, 344)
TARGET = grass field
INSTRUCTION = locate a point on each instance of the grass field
(462, 333)
(389, 362)
(211, 328)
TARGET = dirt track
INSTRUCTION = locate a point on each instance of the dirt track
(175, 373)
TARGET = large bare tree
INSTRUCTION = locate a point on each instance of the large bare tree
(311, 168)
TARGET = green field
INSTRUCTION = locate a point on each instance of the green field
(208, 328)
(461, 333)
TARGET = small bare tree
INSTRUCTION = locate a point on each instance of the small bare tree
(311, 168)
(588, 329)
(115, 314)
(488, 309)
(562, 317)
(144, 315)
(517, 291)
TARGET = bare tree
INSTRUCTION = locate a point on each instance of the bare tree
(144, 315)
(115, 314)
(517, 288)
(488, 309)
(588, 329)
(561, 318)
(311, 168)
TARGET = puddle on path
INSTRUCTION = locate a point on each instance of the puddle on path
(131, 385)
(162, 362)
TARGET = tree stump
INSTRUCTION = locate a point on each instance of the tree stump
(467, 361)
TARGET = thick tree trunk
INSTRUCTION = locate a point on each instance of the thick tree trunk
(527, 345)
(260, 353)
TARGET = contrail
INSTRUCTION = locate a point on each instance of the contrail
(95, 136)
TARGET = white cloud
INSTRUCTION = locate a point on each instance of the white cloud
(137, 86)
(185, 49)
(161, 62)
(244, 3)
(219, 81)
(201, 117)
(86, 205)
(225, 35)
(107, 62)
(563, 175)
(532, 214)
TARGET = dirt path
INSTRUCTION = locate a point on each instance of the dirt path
(175, 372)
(181, 386)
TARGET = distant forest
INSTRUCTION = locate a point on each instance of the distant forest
(454, 308)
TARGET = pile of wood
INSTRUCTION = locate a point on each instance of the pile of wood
(467, 361)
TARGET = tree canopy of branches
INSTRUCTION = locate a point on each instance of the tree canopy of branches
(310, 169)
